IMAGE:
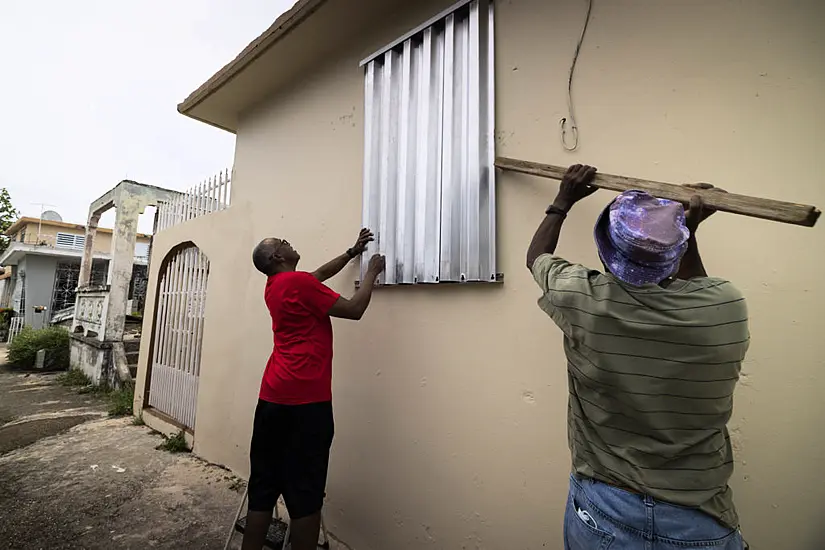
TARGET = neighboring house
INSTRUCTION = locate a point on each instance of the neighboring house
(451, 398)
(44, 259)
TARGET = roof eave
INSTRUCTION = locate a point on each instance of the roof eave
(25, 220)
(282, 26)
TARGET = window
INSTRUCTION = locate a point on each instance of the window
(23, 236)
(65, 286)
(429, 176)
(68, 240)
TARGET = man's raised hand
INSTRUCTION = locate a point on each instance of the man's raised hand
(697, 211)
(365, 237)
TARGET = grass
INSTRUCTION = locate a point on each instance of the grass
(122, 400)
(138, 420)
(98, 391)
(174, 444)
(74, 378)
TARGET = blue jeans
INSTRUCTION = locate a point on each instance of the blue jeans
(601, 517)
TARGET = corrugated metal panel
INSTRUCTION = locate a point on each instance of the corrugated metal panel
(429, 181)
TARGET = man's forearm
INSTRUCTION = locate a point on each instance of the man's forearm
(332, 267)
(546, 237)
(363, 295)
(691, 265)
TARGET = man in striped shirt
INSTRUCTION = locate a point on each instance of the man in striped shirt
(654, 348)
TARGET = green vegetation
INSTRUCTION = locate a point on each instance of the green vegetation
(8, 215)
(6, 313)
(138, 420)
(121, 400)
(74, 378)
(174, 444)
(55, 340)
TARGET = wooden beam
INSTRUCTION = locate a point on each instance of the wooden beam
(766, 209)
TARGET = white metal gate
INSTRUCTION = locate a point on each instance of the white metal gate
(179, 318)
(15, 326)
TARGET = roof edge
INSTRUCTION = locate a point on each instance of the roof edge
(285, 23)
(26, 220)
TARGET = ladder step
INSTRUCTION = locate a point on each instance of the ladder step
(274, 538)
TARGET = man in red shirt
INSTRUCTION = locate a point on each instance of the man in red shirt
(293, 427)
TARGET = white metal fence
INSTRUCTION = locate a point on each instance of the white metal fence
(210, 196)
(15, 326)
(178, 329)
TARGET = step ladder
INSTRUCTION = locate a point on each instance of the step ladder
(277, 538)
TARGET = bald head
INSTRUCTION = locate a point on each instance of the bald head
(273, 255)
(263, 254)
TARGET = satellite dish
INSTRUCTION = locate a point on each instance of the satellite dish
(51, 216)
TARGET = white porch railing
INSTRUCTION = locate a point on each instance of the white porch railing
(210, 196)
(15, 327)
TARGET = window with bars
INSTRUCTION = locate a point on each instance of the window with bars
(65, 286)
(69, 240)
(429, 177)
(67, 275)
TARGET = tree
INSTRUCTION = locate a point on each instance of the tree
(8, 215)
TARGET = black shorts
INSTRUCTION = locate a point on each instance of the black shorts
(289, 456)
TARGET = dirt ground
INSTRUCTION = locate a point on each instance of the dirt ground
(71, 477)
(33, 406)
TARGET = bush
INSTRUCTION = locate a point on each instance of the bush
(55, 340)
(6, 313)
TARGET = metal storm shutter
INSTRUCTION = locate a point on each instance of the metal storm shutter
(429, 179)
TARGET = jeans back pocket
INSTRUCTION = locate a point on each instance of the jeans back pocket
(582, 530)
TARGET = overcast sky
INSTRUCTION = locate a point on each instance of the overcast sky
(90, 88)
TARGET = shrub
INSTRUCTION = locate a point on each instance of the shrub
(55, 340)
(6, 314)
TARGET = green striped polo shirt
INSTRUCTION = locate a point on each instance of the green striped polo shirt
(651, 374)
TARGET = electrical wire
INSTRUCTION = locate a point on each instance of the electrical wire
(574, 129)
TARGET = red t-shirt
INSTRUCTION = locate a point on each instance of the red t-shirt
(299, 371)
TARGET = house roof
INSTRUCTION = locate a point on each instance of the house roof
(280, 28)
(16, 226)
(306, 35)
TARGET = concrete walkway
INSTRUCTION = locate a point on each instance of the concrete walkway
(73, 478)
(103, 484)
(34, 405)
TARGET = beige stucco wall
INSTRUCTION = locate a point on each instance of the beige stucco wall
(48, 234)
(450, 401)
